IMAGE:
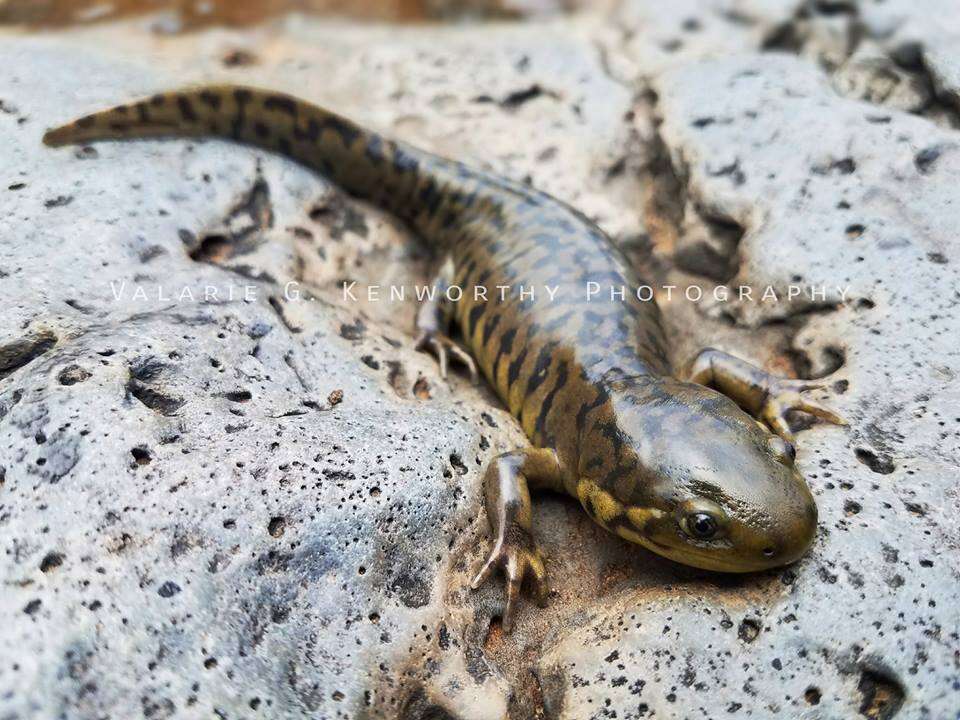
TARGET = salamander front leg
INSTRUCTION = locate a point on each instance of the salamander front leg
(507, 498)
(433, 323)
(765, 396)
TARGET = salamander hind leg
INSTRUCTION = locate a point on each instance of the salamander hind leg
(507, 496)
(433, 323)
(767, 397)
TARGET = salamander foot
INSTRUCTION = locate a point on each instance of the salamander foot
(507, 496)
(767, 397)
(519, 558)
(444, 348)
(784, 395)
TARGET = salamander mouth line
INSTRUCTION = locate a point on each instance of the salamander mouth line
(711, 563)
(694, 551)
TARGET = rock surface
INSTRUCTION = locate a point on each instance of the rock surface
(263, 505)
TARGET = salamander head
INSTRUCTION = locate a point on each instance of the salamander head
(700, 481)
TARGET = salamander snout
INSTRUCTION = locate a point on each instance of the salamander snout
(746, 508)
(793, 536)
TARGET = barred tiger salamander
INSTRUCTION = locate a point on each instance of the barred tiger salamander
(678, 465)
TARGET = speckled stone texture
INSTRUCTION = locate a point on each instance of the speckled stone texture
(236, 502)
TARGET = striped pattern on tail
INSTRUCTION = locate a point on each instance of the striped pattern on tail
(416, 186)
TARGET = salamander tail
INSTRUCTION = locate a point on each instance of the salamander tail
(361, 161)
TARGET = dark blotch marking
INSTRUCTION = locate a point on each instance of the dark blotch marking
(261, 130)
(506, 345)
(476, 312)
(85, 122)
(483, 277)
(612, 432)
(489, 327)
(449, 219)
(404, 162)
(348, 132)
(241, 97)
(621, 471)
(374, 150)
(281, 103)
(311, 134)
(513, 372)
(186, 109)
(541, 368)
(430, 197)
(211, 99)
(562, 375)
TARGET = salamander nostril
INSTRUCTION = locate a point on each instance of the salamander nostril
(768, 551)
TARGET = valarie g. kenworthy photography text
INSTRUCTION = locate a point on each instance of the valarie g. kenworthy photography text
(591, 291)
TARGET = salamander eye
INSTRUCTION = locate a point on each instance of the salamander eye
(700, 525)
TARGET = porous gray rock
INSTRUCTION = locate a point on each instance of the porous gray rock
(264, 505)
